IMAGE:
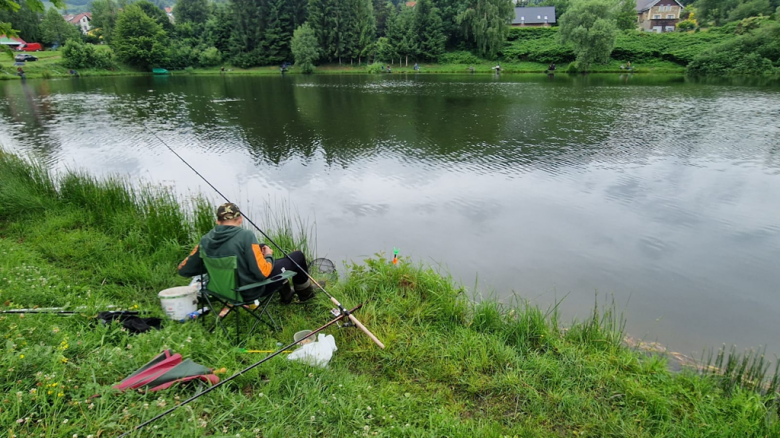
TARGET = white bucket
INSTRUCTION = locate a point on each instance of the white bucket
(178, 302)
(302, 334)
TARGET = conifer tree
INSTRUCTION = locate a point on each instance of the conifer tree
(191, 11)
(408, 44)
(366, 29)
(246, 39)
(429, 30)
(278, 31)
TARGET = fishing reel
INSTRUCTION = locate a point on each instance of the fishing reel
(344, 315)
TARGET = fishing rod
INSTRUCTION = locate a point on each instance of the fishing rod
(341, 308)
(256, 364)
(49, 311)
(61, 311)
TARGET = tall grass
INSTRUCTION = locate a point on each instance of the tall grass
(151, 223)
(604, 328)
(747, 370)
(27, 188)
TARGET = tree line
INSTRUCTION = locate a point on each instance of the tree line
(248, 33)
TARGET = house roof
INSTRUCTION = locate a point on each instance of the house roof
(11, 41)
(169, 10)
(74, 19)
(643, 5)
(411, 4)
(535, 15)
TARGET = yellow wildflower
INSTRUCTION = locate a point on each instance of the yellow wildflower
(21, 356)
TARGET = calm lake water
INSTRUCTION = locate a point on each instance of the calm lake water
(659, 192)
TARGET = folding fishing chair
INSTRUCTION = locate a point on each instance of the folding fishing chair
(222, 287)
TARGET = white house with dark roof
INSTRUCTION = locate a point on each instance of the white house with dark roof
(658, 15)
(542, 16)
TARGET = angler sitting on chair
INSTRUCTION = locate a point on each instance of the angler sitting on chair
(254, 261)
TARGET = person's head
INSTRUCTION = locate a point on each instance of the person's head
(229, 214)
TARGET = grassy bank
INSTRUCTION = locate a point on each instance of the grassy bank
(451, 367)
(49, 65)
(479, 67)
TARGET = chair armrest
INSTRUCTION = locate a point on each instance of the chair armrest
(286, 275)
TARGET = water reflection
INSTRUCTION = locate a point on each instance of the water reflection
(661, 191)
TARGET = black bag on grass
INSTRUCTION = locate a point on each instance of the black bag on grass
(130, 320)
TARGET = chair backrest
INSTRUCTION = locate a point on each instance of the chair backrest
(223, 275)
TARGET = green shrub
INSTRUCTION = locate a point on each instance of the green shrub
(459, 57)
(305, 48)
(189, 70)
(77, 55)
(677, 47)
(525, 33)
(246, 60)
(374, 68)
(181, 55)
(210, 57)
(536, 44)
(686, 25)
(755, 53)
(749, 24)
(750, 8)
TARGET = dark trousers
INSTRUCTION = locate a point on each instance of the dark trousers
(288, 265)
(300, 259)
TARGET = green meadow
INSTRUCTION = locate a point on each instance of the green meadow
(452, 366)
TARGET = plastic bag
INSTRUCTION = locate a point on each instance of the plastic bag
(317, 353)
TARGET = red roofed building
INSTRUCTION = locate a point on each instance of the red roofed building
(169, 13)
(411, 4)
(81, 20)
(12, 42)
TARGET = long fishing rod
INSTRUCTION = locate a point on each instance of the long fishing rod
(61, 311)
(341, 308)
(258, 363)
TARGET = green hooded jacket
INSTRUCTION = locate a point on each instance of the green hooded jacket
(225, 241)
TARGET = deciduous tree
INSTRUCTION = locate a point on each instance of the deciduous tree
(14, 5)
(25, 20)
(104, 13)
(486, 24)
(156, 13)
(590, 28)
(139, 40)
(54, 29)
(305, 48)
(625, 14)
